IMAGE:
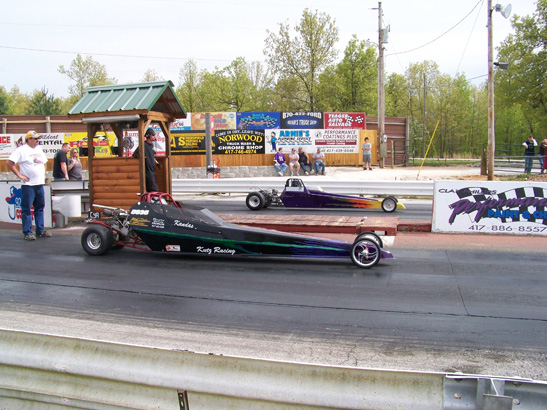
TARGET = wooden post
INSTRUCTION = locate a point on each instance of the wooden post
(166, 129)
(118, 132)
(91, 130)
(208, 142)
(142, 168)
(392, 154)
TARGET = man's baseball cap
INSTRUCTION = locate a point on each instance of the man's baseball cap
(32, 134)
(149, 133)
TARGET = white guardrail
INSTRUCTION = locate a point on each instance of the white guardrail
(45, 372)
(246, 185)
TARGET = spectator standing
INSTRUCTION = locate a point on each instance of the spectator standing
(150, 162)
(31, 161)
(279, 162)
(542, 155)
(304, 160)
(74, 165)
(60, 163)
(529, 153)
(319, 158)
(367, 154)
(294, 165)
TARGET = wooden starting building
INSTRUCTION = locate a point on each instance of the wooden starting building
(116, 181)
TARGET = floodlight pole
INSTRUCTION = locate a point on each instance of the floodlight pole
(381, 94)
(491, 129)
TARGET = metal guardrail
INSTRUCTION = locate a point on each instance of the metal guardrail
(52, 371)
(246, 185)
(515, 165)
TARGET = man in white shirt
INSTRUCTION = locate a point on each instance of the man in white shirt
(32, 172)
(319, 163)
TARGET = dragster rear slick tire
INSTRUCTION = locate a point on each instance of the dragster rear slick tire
(97, 240)
(255, 201)
(372, 236)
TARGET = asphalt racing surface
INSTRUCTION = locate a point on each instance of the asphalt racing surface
(475, 304)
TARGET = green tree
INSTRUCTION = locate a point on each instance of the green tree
(189, 91)
(242, 86)
(287, 95)
(233, 87)
(396, 96)
(4, 101)
(42, 104)
(19, 101)
(151, 75)
(354, 85)
(305, 55)
(86, 73)
(524, 84)
(263, 83)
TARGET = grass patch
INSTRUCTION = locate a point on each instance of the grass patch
(445, 162)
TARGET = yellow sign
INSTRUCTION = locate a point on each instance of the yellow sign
(102, 143)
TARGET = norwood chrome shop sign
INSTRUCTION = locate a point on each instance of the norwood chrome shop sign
(490, 207)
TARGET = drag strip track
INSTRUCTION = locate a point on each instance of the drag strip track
(426, 299)
(416, 209)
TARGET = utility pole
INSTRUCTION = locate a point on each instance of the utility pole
(382, 38)
(423, 121)
(491, 129)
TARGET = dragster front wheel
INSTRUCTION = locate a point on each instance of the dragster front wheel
(256, 201)
(97, 240)
(365, 253)
(389, 204)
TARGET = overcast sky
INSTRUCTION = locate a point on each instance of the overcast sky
(131, 36)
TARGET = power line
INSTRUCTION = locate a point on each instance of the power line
(446, 32)
(111, 55)
(468, 39)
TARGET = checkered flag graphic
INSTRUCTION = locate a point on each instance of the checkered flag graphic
(530, 201)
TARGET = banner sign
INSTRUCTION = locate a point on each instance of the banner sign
(293, 138)
(7, 145)
(344, 120)
(221, 120)
(337, 141)
(182, 124)
(51, 143)
(301, 120)
(10, 203)
(239, 142)
(490, 207)
(131, 142)
(188, 142)
(258, 120)
(103, 143)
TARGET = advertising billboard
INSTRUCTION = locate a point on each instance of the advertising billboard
(490, 207)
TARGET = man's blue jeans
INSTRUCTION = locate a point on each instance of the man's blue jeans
(32, 195)
(319, 165)
(528, 164)
(305, 167)
(280, 167)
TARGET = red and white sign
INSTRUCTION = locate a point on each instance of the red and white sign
(345, 120)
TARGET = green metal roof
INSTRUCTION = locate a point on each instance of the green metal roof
(117, 99)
